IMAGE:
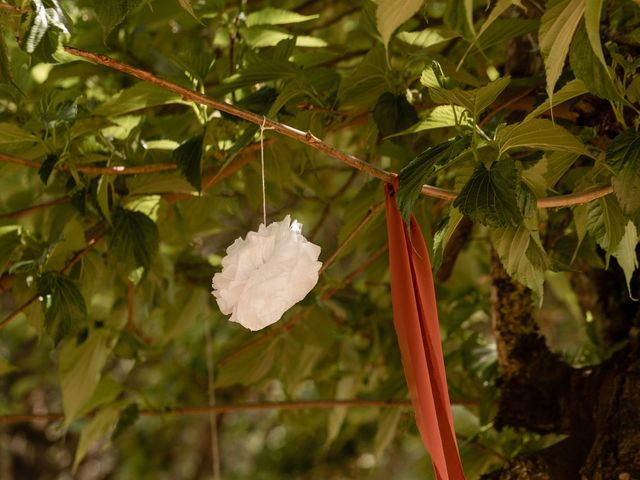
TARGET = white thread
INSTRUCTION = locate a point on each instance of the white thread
(263, 127)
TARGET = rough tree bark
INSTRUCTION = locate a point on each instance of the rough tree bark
(596, 407)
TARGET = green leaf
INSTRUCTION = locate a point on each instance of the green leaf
(104, 192)
(538, 134)
(186, 5)
(500, 7)
(393, 113)
(522, 255)
(427, 38)
(625, 253)
(548, 171)
(387, 428)
(623, 151)
(128, 417)
(5, 366)
(475, 100)
(489, 197)
(105, 392)
(571, 89)
(260, 37)
(135, 239)
(558, 24)
(369, 80)
(5, 65)
(504, 29)
(141, 95)
(443, 235)
(442, 116)
(188, 156)
(592, 13)
(589, 69)
(46, 168)
(9, 241)
(606, 223)
(112, 13)
(12, 134)
(249, 366)
(416, 173)
(64, 306)
(97, 429)
(276, 16)
(390, 14)
(345, 388)
(80, 367)
(623, 155)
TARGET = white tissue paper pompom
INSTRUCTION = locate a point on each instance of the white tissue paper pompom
(266, 274)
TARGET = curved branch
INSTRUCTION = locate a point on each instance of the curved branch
(307, 137)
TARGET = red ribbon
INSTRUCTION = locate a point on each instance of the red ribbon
(415, 319)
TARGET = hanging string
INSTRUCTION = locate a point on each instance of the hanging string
(264, 190)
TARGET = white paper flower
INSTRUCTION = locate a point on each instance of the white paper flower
(266, 274)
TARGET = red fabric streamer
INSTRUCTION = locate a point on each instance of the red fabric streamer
(415, 319)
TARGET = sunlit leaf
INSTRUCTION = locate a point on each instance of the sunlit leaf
(625, 253)
(390, 14)
(276, 16)
(522, 255)
(539, 134)
(559, 22)
(571, 89)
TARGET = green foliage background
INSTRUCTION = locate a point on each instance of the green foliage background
(115, 269)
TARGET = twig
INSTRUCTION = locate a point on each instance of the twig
(232, 408)
(34, 208)
(9, 8)
(492, 113)
(304, 137)
(115, 170)
(349, 278)
(363, 223)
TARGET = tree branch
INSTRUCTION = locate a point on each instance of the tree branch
(231, 408)
(115, 170)
(307, 138)
(34, 208)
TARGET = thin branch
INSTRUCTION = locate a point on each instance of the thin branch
(304, 137)
(349, 278)
(34, 208)
(115, 170)
(363, 223)
(231, 408)
(9, 8)
(492, 113)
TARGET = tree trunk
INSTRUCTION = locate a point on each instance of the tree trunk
(597, 407)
